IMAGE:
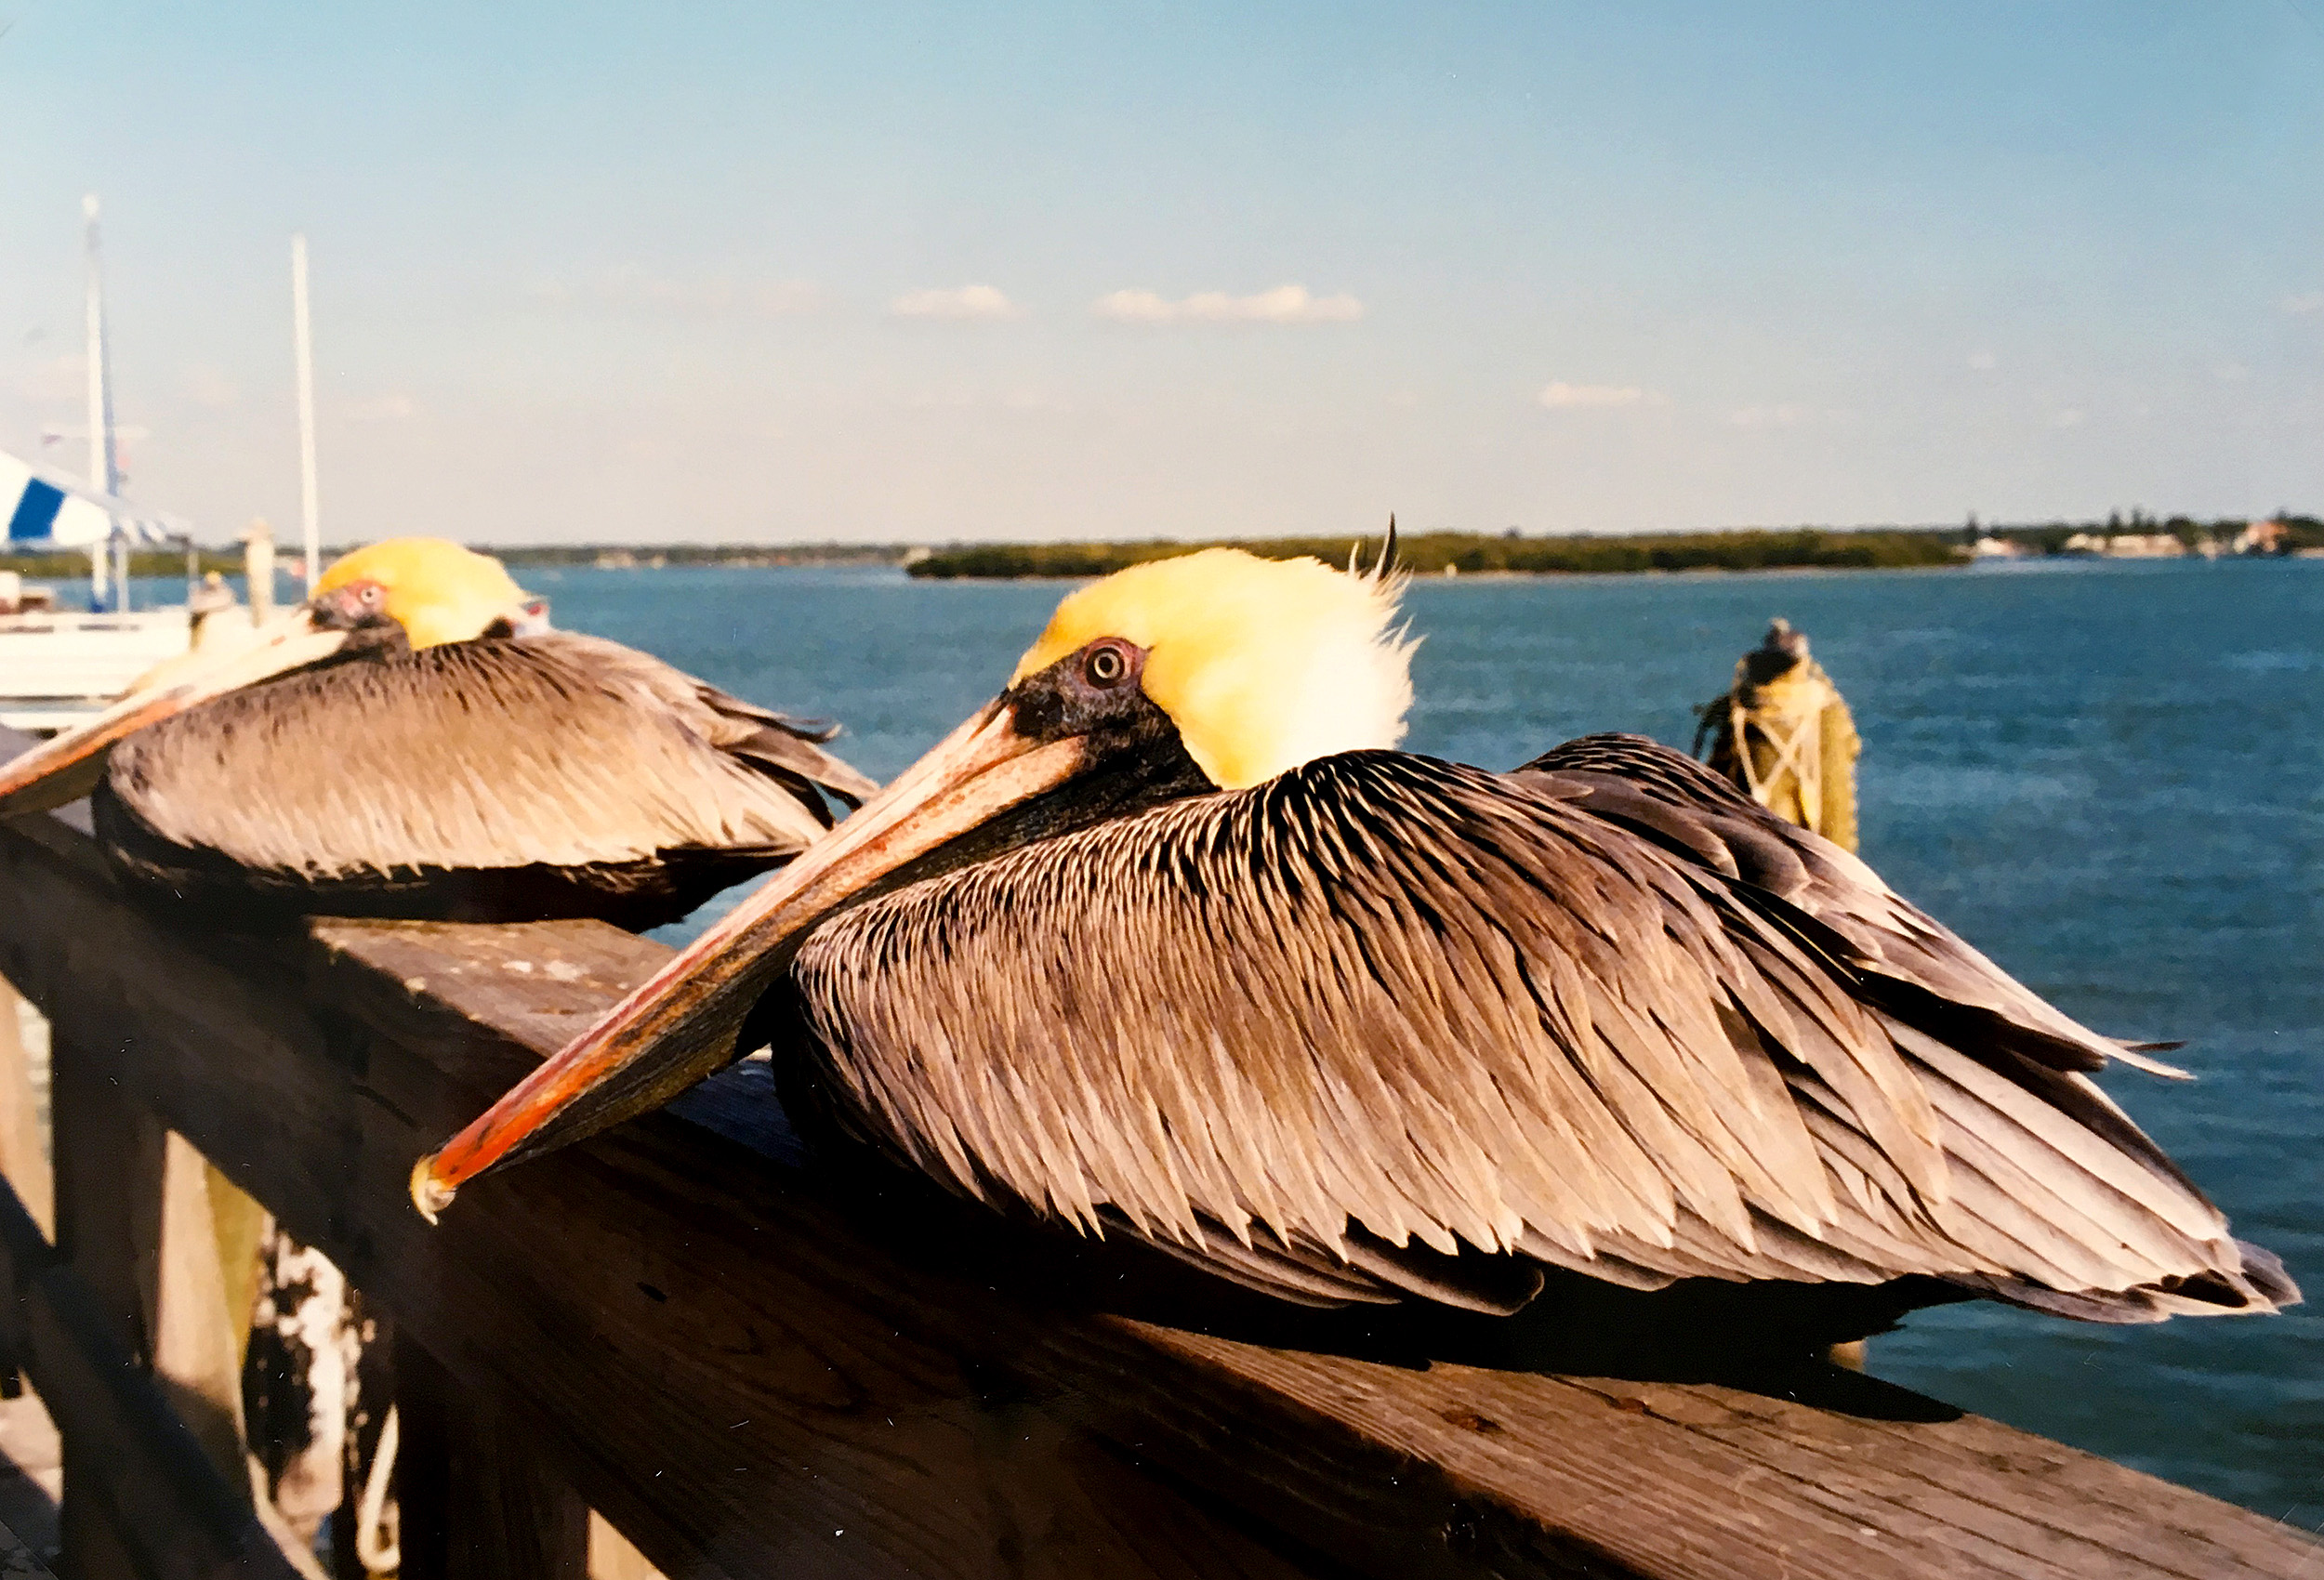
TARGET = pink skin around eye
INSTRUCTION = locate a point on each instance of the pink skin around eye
(356, 599)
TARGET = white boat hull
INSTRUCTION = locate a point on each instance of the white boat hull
(57, 670)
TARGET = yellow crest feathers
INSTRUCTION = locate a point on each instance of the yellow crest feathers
(1261, 664)
(436, 590)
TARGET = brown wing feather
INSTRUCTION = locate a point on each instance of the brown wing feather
(556, 749)
(1384, 1002)
(1674, 801)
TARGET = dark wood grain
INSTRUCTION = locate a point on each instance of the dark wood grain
(751, 1370)
(476, 1501)
(109, 1162)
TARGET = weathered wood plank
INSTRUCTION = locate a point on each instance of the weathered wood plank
(478, 1501)
(742, 1368)
(196, 1354)
(908, 1473)
(143, 1482)
(109, 1162)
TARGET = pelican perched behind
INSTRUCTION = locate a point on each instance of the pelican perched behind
(414, 742)
(1168, 942)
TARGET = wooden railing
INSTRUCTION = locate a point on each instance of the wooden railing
(754, 1369)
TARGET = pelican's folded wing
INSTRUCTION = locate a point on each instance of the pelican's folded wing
(1383, 1009)
(561, 750)
(775, 743)
(1917, 965)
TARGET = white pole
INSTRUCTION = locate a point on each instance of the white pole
(103, 475)
(308, 501)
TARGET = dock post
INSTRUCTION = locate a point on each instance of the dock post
(196, 1354)
(134, 1220)
(257, 569)
(110, 1159)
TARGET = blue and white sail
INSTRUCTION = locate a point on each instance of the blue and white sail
(48, 510)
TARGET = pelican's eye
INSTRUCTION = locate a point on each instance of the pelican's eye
(371, 593)
(1106, 664)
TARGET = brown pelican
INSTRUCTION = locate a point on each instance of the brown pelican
(414, 742)
(1167, 941)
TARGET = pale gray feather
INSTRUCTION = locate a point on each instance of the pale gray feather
(557, 749)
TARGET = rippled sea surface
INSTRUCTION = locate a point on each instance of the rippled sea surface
(2108, 777)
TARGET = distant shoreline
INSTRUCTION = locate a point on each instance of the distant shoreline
(1806, 548)
(1509, 554)
(1438, 554)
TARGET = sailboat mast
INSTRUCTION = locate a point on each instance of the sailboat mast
(103, 473)
(308, 505)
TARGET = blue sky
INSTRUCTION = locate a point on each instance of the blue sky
(766, 273)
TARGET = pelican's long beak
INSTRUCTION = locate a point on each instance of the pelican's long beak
(681, 1024)
(68, 766)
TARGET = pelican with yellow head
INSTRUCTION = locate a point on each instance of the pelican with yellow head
(1169, 941)
(414, 740)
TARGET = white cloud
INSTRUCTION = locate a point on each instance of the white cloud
(711, 295)
(2306, 302)
(1284, 304)
(1562, 396)
(1984, 361)
(2231, 373)
(2068, 417)
(383, 409)
(960, 304)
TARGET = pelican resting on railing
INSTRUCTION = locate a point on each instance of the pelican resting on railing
(414, 742)
(1169, 941)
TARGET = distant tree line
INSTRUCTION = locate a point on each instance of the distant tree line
(1794, 549)
(744, 555)
(1470, 553)
(73, 564)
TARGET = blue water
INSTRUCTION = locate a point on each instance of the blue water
(2110, 777)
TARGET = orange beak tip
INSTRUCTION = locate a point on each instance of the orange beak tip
(430, 1194)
